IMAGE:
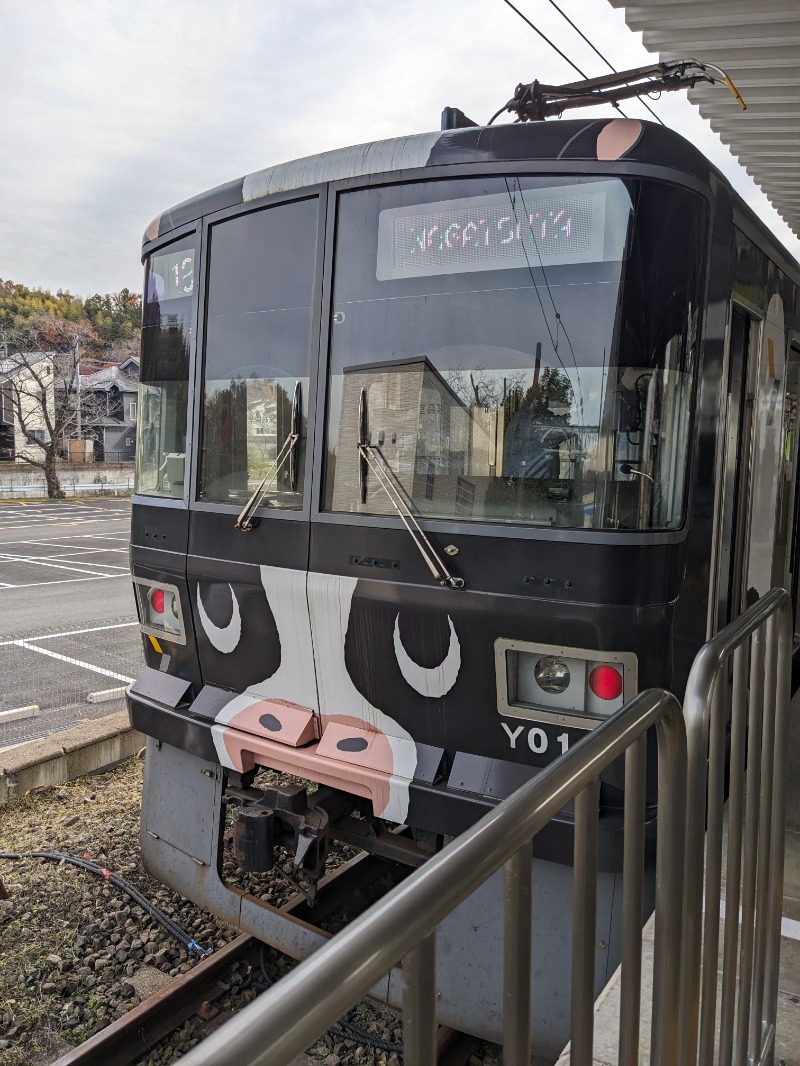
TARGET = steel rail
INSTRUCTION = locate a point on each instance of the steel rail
(280, 1024)
(131, 1037)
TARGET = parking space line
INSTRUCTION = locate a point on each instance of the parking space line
(34, 561)
(69, 581)
(74, 662)
(74, 522)
(72, 632)
(104, 566)
(71, 549)
(76, 549)
(56, 541)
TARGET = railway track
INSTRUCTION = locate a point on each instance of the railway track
(200, 994)
(132, 1037)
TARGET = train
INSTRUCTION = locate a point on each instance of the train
(448, 445)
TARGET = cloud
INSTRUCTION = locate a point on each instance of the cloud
(120, 111)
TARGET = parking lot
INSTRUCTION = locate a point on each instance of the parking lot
(69, 641)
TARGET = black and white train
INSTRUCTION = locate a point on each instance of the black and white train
(448, 445)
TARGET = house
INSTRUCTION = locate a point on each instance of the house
(24, 378)
(110, 397)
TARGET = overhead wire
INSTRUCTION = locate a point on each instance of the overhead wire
(566, 58)
(546, 39)
(559, 323)
(555, 49)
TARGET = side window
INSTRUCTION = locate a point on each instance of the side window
(169, 294)
(257, 352)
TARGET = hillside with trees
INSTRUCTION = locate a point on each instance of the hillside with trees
(114, 319)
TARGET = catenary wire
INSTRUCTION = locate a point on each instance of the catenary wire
(555, 49)
(559, 322)
(546, 39)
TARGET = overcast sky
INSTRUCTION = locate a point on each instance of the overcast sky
(113, 112)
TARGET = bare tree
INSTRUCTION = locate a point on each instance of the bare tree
(479, 387)
(40, 376)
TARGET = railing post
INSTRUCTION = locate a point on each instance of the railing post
(692, 924)
(632, 902)
(716, 801)
(778, 818)
(517, 952)
(584, 923)
(734, 869)
(753, 789)
(667, 991)
(419, 1003)
(765, 843)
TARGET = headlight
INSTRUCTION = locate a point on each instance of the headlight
(552, 674)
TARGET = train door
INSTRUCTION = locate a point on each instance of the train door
(249, 534)
(735, 488)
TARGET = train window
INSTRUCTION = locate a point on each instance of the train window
(169, 295)
(515, 350)
(258, 332)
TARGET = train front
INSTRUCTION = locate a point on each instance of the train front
(411, 511)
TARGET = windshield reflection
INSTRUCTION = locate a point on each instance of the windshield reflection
(553, 394)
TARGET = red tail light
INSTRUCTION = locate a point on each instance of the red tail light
(157, 600)
(606, 682)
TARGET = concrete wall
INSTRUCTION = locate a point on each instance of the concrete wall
(76, 479)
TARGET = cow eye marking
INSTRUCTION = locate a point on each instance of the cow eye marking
(224, 638)
(352, 744)
(437, 680)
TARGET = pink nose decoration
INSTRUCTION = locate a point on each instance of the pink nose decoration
(618, 137)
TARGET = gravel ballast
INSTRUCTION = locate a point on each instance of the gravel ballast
(71, 945)
(77, 953)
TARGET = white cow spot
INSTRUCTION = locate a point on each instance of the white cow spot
(436, 680)
(223, 638)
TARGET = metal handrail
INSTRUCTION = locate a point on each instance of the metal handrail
(757, 646)
(281, 1023)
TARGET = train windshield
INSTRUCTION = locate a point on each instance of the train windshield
(169, 294)
(516, 350)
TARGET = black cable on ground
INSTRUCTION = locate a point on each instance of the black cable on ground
(347, 1031)
(85, 864)
(343, 1029)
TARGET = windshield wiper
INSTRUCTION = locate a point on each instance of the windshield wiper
(370, 458)
(288, 450)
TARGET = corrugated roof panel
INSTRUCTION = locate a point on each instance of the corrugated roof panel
(758, 46)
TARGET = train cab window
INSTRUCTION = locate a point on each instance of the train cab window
(169, 295)
(515, 350)
(256, 371)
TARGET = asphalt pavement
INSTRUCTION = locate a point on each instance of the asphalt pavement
(68, 626)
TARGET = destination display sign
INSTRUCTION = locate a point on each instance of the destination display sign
(529, 228)
(171, 276)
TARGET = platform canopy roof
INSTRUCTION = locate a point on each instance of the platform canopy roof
(757, 43)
